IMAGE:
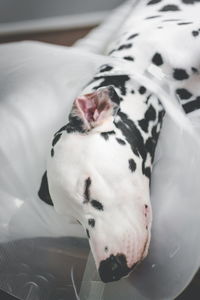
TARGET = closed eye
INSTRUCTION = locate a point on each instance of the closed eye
(87, 190)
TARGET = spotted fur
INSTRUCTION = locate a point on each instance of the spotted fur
(162, 33)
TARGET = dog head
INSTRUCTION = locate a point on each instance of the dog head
(94, 175)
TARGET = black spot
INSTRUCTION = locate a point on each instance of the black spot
(114, 96)
(133, 36)
(184, 23)
(125, 46)
(96, 204)
(170, 7)
(180, 74)
(151, 144)
(88, 234)
(157, 59)
(134, 137)
(146, 206)
(60, 130)
(131, 133)
(146, 170)
(194, 70)
(112, 51)
(150, 115)
(75, 124)
(129, 58)
(147, 100)
(91, 222)
(153, 2)
(152, 17)
(43, 192)
(56, 139)
(171, 20)
(195, 33)
(105, 68)
(132, 92)
(52, 152)
(120, 141)
(87, 190)
(192, 105)
(190, 1)
(184, 94)
(132, 165)
(106, 134)
(117, 81)
(142, 90)
(106, 249)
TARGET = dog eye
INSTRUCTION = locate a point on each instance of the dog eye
(87, 190)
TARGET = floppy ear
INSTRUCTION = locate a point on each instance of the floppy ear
(43, 192)
(94, 108)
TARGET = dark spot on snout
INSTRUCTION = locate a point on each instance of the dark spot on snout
(194, 70)
(114, 268)
(96, 204)
(91, 222)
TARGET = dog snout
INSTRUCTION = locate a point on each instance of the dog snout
(113, 268)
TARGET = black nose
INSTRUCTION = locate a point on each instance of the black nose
(113, 268)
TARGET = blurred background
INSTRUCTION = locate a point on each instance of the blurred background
(60, 22)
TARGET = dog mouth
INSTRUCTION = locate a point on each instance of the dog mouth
(116, 266)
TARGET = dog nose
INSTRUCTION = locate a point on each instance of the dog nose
(113, 268)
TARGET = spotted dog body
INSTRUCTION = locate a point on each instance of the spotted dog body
(100, 163)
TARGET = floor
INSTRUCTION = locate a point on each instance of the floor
(67, 38)
(61, 37)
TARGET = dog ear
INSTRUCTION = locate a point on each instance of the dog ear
(43, 192)
(94, 108)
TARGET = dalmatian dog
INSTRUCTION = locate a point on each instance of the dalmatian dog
(100, 163)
